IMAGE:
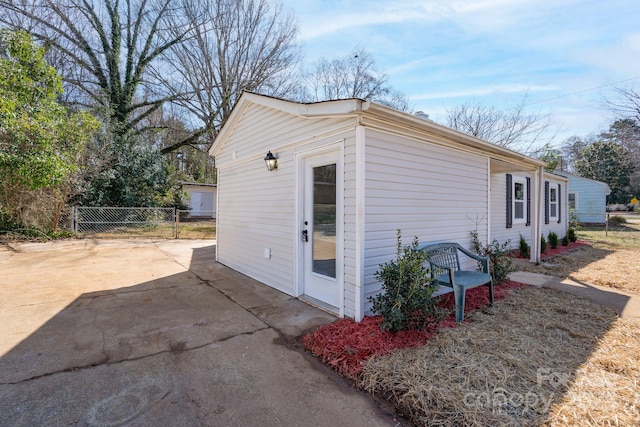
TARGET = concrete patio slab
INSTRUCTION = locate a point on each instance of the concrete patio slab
(157, 333)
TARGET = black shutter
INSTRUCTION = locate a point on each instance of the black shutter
(528, 202)
(559, 203)
(546, 202)
(509, 201)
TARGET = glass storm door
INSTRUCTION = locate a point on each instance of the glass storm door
(319, 237)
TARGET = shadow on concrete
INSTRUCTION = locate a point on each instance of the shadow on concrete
(199, 344)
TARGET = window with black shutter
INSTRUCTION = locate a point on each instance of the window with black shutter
(546, 202)
(528, 201)
(509, 201)
(559, 203)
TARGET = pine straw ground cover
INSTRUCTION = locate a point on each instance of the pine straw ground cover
(544, 358)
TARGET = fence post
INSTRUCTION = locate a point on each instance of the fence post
(177, 222)
(74, 221)
(606, 225)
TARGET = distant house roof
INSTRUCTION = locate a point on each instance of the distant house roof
(570, 175)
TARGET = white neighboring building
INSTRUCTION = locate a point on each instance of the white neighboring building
(202, 199)
(349, 174)
(588, 198)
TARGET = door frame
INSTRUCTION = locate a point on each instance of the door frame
(336, 147)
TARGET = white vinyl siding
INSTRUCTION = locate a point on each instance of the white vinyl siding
(270, 129)
(350, 254)
(435, 193)
(253, 217)
(257, 208)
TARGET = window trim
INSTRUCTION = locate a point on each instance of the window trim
(522, 181)
(575, 200)
(556, 204)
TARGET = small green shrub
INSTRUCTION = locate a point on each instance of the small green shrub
(565, 240)
(543, 245)
(523, 247)
(571, 235)
(500, 263)
(553, 240)
(408, 288)
(616, 219)
(574, 220)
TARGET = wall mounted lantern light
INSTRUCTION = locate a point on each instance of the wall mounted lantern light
(271, 161)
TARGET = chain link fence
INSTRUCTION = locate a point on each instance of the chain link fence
(164, 223)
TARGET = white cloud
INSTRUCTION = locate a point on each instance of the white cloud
(619, 60)
(340, 17)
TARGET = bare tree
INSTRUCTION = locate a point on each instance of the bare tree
(235, 46)
(513, 127)
(354, 76)
(107, 46)
(625, 103)
(571, 149)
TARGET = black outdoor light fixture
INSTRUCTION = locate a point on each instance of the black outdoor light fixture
(271, 161)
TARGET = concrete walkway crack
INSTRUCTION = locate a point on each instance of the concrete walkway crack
(106, 361)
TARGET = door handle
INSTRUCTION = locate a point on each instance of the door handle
(305, 236)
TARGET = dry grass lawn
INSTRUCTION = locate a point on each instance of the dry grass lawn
(608, 261)
(545, 357)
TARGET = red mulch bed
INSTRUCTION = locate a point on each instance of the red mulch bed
(557, 251)
(346, 345)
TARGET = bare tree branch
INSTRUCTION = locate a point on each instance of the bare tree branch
(626, 103)
(93, 36)
(354, 76)
(513, 127)
(236, 45)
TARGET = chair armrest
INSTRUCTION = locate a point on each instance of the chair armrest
(471, 254)
(435, 268)
(483, 259)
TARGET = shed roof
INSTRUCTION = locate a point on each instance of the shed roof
(199, 184)
(376, 115)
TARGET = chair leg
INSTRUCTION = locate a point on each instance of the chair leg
(459, 294)
(491, 292)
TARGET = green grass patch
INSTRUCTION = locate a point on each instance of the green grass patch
(623, 236)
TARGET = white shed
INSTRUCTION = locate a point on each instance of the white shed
(201, 199)
(349, 174)
(588, 198)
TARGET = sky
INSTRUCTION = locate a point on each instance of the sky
(564, 56)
